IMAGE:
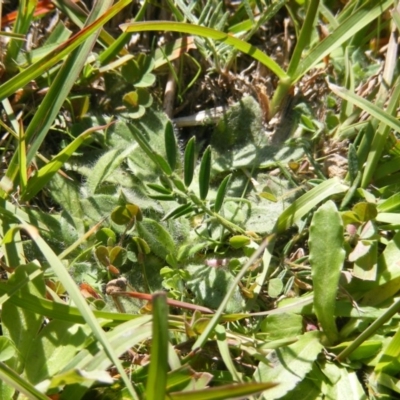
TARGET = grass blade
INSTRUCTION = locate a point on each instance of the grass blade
(241, 390)
(157, 379)
(13, 379)
(76, 297)
(43, 176)
(38, 68)
(182, 27)
(304, 204)
(362, 17)
(367, 106)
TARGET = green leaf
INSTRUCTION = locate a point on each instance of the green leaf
(363, 16)
(365, 211)
(205, 173)
(326, 259)
(43, 176)
(7, 348)
(131, 99)
(118, 256)
(240, 390)
(103, 255)
(123, 215)
(352, 162)
(13, 379)
(304, 204)
(193, 29)
(290, 364)
(367, 106)
(219, 199)
(389, 359)
(19, 324)
(178, 212)
(223, 347)
(157, 237)
(163, 164)
(159, 188)
(239, 241)
(50, 351)
(157, 378)
(189, 161)
(76, 296)
(282, 326)
(105, 166)
(170, 145)
(37, 69)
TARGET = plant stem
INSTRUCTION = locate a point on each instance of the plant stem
(370, 330)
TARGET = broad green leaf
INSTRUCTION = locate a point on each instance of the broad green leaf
(157, 237)
(157, 378)
(365, 257)
(123, 215)
(205, 173)
(326, 260)
(289, 364)
(20, 324)
(367, 350)
(118, 256)
(365, 211)
(346, 384)
(392, 204)
(103, 255)
(281, 326)
(105, 166)
(211, 286)
(189, 161)
(50, 351)
(7, 348)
